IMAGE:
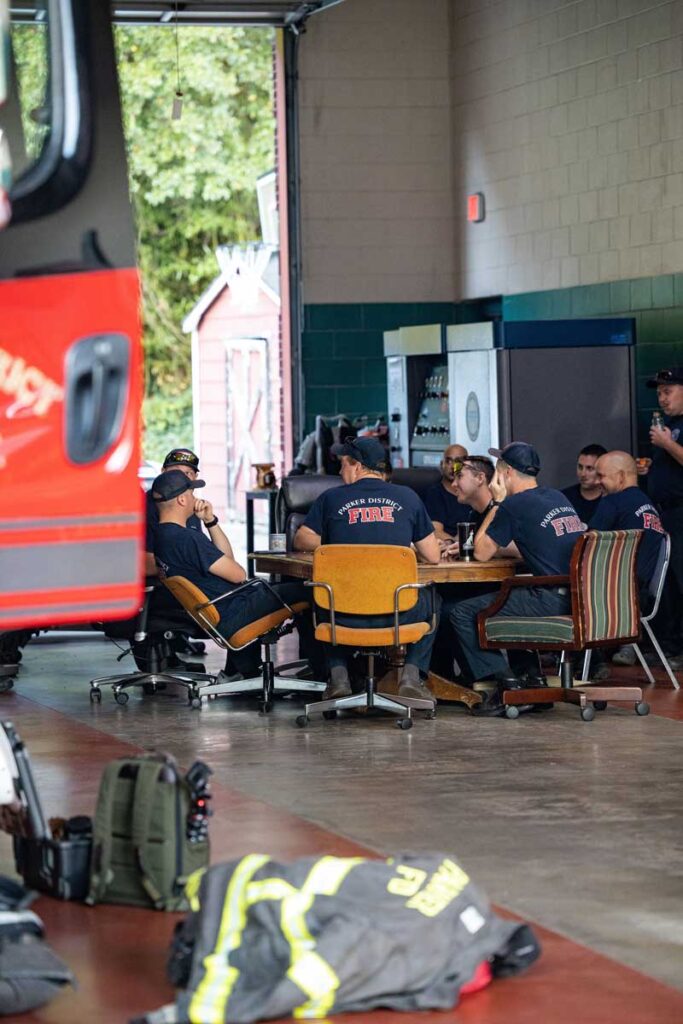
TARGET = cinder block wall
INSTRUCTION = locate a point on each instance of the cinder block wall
(569, 117)
(566, 114)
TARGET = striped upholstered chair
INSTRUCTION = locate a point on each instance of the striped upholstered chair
(604, 612)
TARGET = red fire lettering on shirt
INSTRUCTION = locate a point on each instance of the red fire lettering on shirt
(567, 524)
(354, 514)
(387, 514)
(374, 514)
(652, 522)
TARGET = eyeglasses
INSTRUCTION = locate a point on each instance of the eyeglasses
(456, 463)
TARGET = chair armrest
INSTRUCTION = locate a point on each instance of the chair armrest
(412, 586)
(257, 581)
(330, 594)
(521, 581)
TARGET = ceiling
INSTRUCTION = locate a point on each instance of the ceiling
(279, 13)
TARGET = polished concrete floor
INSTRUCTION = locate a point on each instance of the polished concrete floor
(574, 826)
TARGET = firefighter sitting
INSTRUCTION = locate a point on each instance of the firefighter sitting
(367, 509)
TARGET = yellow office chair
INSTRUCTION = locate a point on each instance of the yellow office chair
(268, 630)
(370, 580)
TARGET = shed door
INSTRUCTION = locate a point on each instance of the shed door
(248, 413)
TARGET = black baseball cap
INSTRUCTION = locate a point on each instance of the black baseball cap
(520, 456)
(172, 483)
(370, 452)
(672, 376)
(182, 457)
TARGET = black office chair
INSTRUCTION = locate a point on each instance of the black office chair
(297, 494)
(418, 478)
(152, 637)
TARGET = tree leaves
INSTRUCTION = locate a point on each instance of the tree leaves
(192, 182)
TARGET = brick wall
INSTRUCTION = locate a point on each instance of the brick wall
(569, 118)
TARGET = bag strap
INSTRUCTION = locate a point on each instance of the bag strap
(101, 874)
(143, 802)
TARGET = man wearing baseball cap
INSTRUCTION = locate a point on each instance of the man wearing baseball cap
(185, 461)
(190, 553)
(665, 488)
(535, 522)
(367, 509)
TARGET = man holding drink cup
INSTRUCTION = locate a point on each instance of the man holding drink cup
(665, 489)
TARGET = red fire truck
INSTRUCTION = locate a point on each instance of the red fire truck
(71, 510)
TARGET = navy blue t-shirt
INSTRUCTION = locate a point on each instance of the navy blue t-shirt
(543, 525)
(182, 552)
(152, 522)
(665, 479)
(631, 510)
(443, 507)
(370, 511)
(586, 507)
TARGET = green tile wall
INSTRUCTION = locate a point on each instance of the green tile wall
(656, 303)
(343, 354)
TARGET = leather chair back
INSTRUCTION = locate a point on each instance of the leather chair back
(296, 497)
(418, 478)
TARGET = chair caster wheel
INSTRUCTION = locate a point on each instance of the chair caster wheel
(121, 698)
(430, 714)
(330, 714)
(302, 721)
(95, 696)
(588, 713)
(195, 702)
(511, 711)
(265, 706)
(404, 723)
(642, 708)
(599, 705)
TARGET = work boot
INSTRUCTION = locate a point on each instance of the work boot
(412, 685)
(339, 685)
(626, 655)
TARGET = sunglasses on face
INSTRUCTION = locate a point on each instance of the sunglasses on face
(456, 463)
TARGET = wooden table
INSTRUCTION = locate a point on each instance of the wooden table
(300, 566)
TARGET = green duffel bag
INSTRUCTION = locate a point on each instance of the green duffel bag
(149, 832)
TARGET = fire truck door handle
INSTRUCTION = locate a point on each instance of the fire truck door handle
(97, 383)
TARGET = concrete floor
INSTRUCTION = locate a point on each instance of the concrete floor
(573, 825)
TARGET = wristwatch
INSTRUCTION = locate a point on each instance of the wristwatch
(214, 522)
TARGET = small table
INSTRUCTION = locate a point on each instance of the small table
(300, 566)
(264, 494)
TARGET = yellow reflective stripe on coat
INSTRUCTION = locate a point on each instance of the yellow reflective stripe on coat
(192, 888)
(212, 993)
(308, 970)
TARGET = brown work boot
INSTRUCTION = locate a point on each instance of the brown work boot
(412, 685)
(339, 685)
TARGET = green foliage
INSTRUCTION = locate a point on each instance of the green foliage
(193, 183)
(169, 423)
(29, 53)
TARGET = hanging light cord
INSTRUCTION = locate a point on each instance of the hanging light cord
(177, 51)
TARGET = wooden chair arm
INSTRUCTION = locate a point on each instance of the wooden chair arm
(504, 593)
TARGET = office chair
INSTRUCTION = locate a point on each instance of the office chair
(604, 612)
(655, 588)
(369, 580)
(267, 630)
(155, 675)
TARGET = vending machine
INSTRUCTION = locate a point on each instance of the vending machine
(418, 393)
(557, 384)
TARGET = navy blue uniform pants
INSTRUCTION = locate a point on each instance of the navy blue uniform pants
(523, 601)
(253, 604)
(417, 654)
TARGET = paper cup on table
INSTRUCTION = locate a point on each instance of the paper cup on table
(278, 543)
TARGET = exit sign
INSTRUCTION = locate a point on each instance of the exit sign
(475, 207)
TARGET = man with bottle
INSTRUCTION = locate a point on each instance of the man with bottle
(665, 488)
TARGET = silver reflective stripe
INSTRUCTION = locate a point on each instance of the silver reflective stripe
(48, 521)
(45, 611)
(65, 565)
